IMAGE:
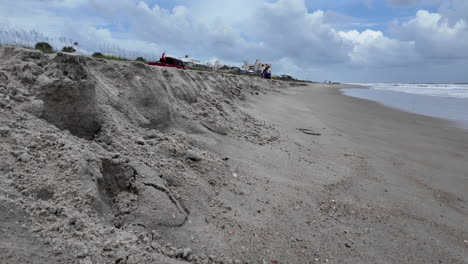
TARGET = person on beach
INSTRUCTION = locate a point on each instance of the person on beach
(266, 73)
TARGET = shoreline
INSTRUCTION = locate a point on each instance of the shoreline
(425, 105)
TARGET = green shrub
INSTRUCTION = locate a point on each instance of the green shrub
(68, 49)
(99, 55)
(44, 47)
(140, 59)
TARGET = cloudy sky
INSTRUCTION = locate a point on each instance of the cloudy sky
(338, 40)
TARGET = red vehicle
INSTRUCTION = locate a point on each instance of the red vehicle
(169, 62)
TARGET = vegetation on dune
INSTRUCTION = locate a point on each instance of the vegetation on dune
(141, 59)
(68, 49)
(99, 55)
(288, 78)
(29, 39)
(44, 47)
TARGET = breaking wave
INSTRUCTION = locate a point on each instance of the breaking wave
(440, 90)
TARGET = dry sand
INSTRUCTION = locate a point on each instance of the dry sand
(121, 162)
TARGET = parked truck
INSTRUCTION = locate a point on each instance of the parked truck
(169, 62)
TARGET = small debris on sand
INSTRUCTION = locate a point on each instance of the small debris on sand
(309, 131)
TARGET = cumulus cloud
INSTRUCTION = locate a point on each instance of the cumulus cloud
(373, 48)
(307, 38)
(288, 29)
(434, 37)
(176, 29)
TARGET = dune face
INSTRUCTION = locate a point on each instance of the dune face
(69, 95)
(96, 165)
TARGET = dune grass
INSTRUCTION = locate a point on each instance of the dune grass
(99, 55)
(30, 38)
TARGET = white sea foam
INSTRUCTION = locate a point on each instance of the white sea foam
(441, 90)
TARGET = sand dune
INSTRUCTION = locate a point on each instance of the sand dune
(122, 162)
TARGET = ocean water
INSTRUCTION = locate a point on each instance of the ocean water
(447, 101)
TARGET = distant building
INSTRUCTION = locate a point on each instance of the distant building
(257, 67)
(228, 68)
(195, 64)
(217, 66)
(248, 67)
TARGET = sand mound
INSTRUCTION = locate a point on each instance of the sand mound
(99, 160)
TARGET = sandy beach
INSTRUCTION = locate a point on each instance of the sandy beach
(121, 162)
(377, 186)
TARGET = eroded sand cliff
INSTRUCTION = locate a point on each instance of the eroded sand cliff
(95, 161)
